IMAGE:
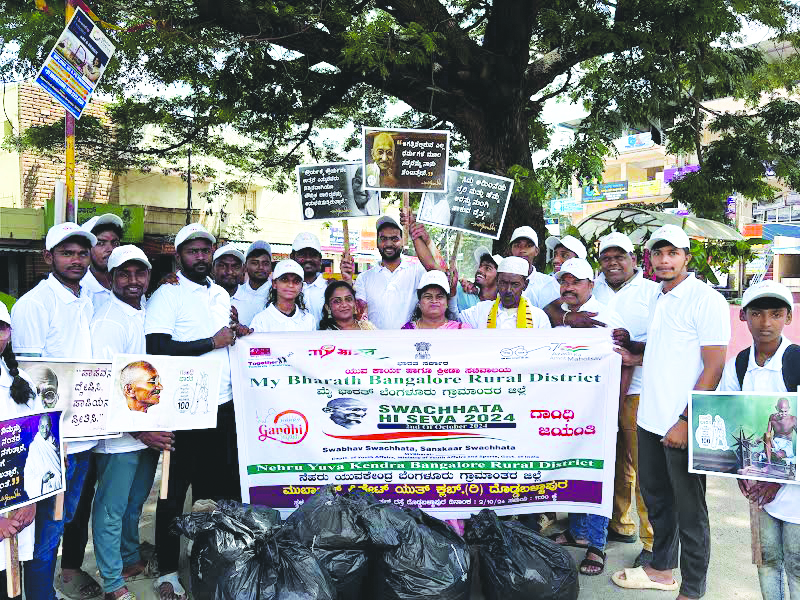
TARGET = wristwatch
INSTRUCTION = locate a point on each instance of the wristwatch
(683, 417)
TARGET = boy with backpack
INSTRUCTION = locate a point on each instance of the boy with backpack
(771, 364)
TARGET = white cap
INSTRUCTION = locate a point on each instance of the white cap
(58, 233)
(569, 242)
(259, 245)
(384, 221)
(481, 252)
(525, 232)
(515, 265)
(579, 268)
(669, 233)
(287, 266)
(98, 220)
(228, 249)
(193, 231)
(122, 254)
(306, 240)
(4, 316)
(615, 239)
(434, 277)
(767, 288)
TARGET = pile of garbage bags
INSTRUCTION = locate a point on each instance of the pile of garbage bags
(350, 546)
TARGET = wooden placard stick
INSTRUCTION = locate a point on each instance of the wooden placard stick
(345, 238)
(407, 211)
(164, 474)
(755, 534)
(58, 509)
(454, 255)
(11, 544)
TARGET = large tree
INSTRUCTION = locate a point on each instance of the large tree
(282, 72)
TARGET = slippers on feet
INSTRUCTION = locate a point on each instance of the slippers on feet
(81, 587)
(569, 540)
(172, 579)
(587, 562)
(615, 536)
(637, 579)
(645, 558)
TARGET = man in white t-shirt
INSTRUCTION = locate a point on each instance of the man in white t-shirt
(126, 466)
(687, 340)
(228, 268)
(52, 321)
(307, 252)
(621, 286)
(192, 319)
(542, 289)
(251, 297)
(108, 229)
(767, 309)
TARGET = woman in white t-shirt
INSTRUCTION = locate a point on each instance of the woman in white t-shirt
(16, 399)
(286, 309)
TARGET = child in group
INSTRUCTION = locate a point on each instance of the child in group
(771, 364)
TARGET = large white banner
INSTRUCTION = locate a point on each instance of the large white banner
(450, 421)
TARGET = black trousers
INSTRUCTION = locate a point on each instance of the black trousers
(76, 532)
(3, 591)
(208, 461)
(676, 503)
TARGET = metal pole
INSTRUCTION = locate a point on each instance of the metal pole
(189, 191)
(69, 144)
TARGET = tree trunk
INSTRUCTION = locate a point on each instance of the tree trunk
(497, 141)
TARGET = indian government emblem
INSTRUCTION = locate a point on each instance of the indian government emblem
(422, 350)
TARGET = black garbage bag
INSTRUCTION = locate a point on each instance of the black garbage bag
(222, 538)
(516, 563)
(422, 556)
(328, 524)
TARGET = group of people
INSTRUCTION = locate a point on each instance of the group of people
(672, 336)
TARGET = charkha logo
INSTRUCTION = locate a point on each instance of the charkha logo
(288, 427)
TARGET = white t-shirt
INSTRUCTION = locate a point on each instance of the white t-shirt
(118, 328)
(271, 319)
(769, 378)
(189, 311)
(542, 289)
(632, 303)
(477, 316)
(611, 318)
(682, 321)
(390, 295)
(96, 292)
(314, 295)
(52, 322)
(249, 302)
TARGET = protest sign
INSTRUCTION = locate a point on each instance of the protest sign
(409, 160)
(80, 389)
(335, 191)
(31, 468)
(163, 393)
(474, 202)
(73, 68)
(747, 435)
(450, 421)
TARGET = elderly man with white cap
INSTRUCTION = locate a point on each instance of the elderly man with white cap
(126, 466)
(622, 287)
(286, 309)
(307, 252)
(542, 289)
(686, 344)
(52, 321)
(108, 229)
(252, 295)
(191, 319)
(510, 310)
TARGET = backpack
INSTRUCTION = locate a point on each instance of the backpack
(790, 368)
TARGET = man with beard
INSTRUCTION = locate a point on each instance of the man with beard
(228, 269)
(191, 319)
(307, 252)
(390, 287)
(108, 230)
(52, 321)
(251, 297)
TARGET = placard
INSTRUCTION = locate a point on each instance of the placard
(31, 465)
(474, 202)
(731, 432)
(76, 63)
(409, 160)
(336, 191)
(449, 421)
(163, 393)
(80, 389)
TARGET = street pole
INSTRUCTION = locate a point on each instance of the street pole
(69, 145)
(189, 191)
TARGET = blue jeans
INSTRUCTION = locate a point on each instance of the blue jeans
(589, 527)
(780, 551)
(40, 571)
(123, 484)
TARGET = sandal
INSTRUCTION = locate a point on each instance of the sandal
(81, 587)
(150, 571)
(588, 562)
(172, 579)
(645, 558)
(570, 542)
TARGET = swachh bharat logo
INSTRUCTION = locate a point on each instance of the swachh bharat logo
(288, 427)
